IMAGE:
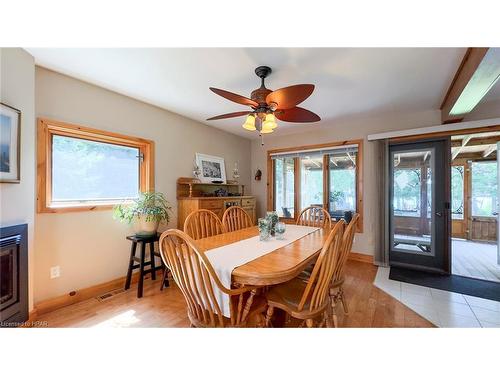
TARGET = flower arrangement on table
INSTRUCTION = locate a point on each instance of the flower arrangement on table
(270, 226)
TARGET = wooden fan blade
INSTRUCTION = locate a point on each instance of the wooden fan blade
(289, 97)
(297, 114)
(235, 97)
(229, 115)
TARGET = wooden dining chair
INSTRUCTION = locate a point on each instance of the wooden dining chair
(236, 218)
(198, 282)
(336, 292)
(202, 223)
(309, 300)
(314, 216)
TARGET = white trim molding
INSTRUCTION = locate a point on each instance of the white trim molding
(435, 129)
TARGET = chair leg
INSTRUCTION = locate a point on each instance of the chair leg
(332, 297)
(333, 313)
(326, 317)
(309, 323)
(269, 315)
(165, 282)
(288, 318)
(335, 320)
(343, 301)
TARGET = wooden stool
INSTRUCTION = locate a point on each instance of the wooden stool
(141, 263)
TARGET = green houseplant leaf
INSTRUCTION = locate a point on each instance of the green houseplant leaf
(152, 205)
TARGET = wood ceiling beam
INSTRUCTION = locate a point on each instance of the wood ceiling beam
(457, 151)
(477, 141)
(489, 150)
(478, 72)
(474, 156)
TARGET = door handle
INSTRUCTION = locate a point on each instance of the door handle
(439, 214)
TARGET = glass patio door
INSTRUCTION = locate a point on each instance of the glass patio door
(419, 206)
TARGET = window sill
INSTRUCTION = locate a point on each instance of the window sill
(78, 207)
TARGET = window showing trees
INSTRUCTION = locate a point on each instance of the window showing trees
(311, 181)
(284, 188)
(93, 171)
(342, 195)
(83, 168)
(328, 176)
(484, 188)
(407, 187)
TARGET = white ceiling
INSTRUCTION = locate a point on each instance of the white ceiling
(349, 81)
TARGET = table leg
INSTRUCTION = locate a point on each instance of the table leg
(141, 272)
(130, 265)
(153, 264)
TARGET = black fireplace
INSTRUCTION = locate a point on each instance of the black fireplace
(13, 274)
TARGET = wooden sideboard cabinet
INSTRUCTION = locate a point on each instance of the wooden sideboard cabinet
(193, 195)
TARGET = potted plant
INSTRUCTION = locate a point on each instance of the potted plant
(145, 213)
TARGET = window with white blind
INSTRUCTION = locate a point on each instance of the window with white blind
(328, 176)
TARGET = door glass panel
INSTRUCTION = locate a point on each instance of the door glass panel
(311, 181)
(284, 187)
(457, 192)
(412, 201)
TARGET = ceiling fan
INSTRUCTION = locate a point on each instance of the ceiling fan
(267, 105)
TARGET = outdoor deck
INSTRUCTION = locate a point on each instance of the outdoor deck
(475, 259)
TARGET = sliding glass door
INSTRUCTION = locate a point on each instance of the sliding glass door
(311, 180)
(326, 176)
(419, 205)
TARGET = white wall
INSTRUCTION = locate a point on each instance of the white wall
(90, 247)
(17, 201)
(341, 130)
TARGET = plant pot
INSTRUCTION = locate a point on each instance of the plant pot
(143, 228)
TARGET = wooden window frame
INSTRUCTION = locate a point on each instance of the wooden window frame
(47, 128)
(359, 177)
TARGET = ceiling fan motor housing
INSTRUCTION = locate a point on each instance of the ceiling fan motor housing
(261, 93)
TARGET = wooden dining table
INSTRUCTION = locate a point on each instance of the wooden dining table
(276, 267)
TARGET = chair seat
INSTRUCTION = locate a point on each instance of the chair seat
(287, 297)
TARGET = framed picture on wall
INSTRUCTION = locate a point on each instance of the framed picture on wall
(10, 144)
(212, 168)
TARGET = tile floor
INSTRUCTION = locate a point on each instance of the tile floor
(442, 308)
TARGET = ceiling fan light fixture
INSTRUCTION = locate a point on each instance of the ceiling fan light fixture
(267, 127)
(270, 122)
(266, 130)
(250, 123)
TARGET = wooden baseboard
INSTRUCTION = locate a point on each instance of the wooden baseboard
(361, 257)
(85, 293)
(32, 315)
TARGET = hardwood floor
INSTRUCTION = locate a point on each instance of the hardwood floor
(368, 307)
